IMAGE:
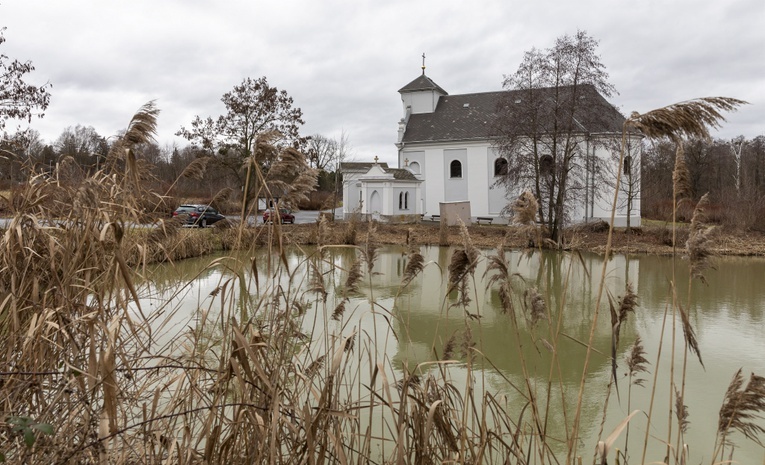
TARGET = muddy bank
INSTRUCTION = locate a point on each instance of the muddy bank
(647, 240)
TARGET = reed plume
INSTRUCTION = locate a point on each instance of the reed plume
(197, 168)
(142, 126)
(458, 268)
(369, 251)
(743, 408)
(449, 348)
(626, 305)
(463, 263)
(689, 333)
(316, 282)
(351, 286)
(354, 278)
(636, 362)
(315, 366)
(681, 412)
(698, 240)
(525, 209)
(535, 305)
(322, 238)
(681, 177)
(691, 118)
(500, 269)
(414, 266)
(337, 313)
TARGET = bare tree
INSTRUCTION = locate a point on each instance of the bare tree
(322, 152)
(18, 99)
(83, 144)
(631, 178)
(736, 146)
(555, 97)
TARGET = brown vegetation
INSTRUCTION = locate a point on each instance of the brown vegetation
(649, 239)
(90, 376)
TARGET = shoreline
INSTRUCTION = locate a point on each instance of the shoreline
(654, 240)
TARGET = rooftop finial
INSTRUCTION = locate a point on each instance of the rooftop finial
(423, 63)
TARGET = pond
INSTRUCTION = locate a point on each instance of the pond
(410, 328)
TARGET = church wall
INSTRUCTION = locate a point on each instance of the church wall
(416, 160)
(420, 102)
(478, 188)
(404, 201)
(602, 206)
(456, 188)
(477, 183)
(433, 177)
(498, 195)
(351, 193)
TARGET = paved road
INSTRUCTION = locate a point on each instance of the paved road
(301, 217)
(307, 216)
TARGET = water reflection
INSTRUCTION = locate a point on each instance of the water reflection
(727, 315)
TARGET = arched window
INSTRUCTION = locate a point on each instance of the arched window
(627, 165)
(414, 167)
(500, 167)
(455, 169)
(403, 200)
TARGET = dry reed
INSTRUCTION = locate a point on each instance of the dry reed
(742, 406)
(95, 379)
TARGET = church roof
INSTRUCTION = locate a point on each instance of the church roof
(469, 117)
(422, 83)
(360, 166)
(401, 174)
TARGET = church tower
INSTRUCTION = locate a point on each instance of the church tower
(419, 96)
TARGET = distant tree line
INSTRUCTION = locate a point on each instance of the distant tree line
(25, 154)
(732, 172)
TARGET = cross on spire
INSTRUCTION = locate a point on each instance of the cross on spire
(423, 63)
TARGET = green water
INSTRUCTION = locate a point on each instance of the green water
(411, 326)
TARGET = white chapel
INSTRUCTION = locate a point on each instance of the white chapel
(447, 154)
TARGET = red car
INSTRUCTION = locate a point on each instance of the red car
(285, 215)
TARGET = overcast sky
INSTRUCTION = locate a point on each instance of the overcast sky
(343, 61)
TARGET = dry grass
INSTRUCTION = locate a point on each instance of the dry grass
(89, 376)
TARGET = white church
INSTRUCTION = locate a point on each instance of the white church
(447, 159)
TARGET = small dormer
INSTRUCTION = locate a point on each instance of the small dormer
(420, 96)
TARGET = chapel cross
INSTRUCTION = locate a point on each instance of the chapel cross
(376, 159)
(423, 63)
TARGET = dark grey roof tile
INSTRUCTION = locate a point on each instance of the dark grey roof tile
(476, 116)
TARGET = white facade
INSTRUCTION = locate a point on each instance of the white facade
(478, 183)
(446, 146)
(475, 183)
(374, 191)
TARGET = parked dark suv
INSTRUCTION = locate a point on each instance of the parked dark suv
(198, 215)
(285, 215)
